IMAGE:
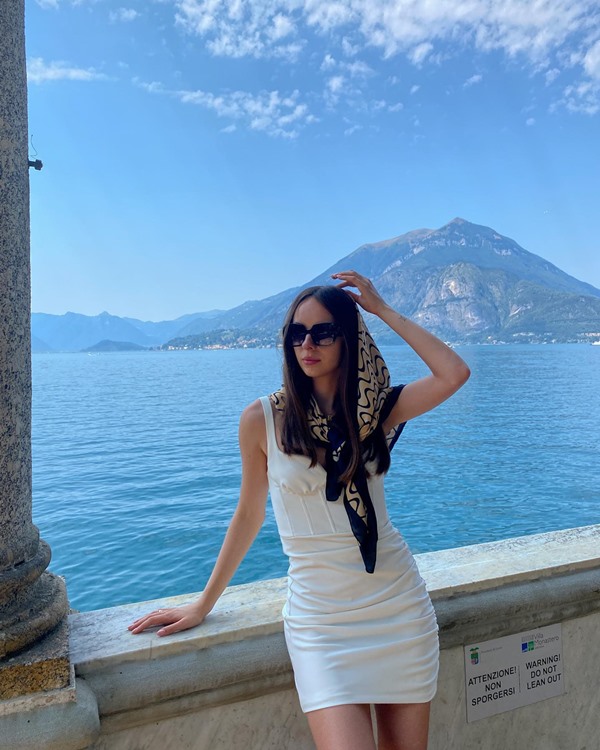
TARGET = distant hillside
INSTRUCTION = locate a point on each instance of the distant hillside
(465, 282)
(39, 346)
(158, 333)
(114, 346)
(75, 332)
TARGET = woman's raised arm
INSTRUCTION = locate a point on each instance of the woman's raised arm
(448, 371)
(245, 525)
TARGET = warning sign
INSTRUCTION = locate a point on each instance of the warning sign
(513, 671)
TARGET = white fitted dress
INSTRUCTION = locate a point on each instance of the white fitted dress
(352, 636)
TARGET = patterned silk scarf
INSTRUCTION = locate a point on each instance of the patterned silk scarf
(376, 398)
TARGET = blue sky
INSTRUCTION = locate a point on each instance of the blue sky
(200, 153)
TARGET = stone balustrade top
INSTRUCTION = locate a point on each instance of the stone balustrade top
(100, 638)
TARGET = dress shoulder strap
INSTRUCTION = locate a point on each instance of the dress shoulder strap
(270, 425)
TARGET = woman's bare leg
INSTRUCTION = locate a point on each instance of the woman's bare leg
(345, 727)
(402, 726)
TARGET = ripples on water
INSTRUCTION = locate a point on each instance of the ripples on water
(136, 466)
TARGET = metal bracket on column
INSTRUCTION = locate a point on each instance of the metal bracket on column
(37, 164)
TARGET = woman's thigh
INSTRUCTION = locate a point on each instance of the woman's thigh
(346, 727)
(402, 726)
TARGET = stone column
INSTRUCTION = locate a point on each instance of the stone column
(32, 602)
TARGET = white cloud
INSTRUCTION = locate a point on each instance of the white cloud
(348, 48)
(154, 87)
(530, 121)
(551, 75)
(582, 98)
(472, 81)
(39, 71)
(357, 69)
(354, 69)
(591, 61)
(328, 62)
(268, 111)
(282, 26)
(396, 107)
(335, 84)
(420, 52)
(243, 28)
(123, 14)
(326, 15)
(537, 34)
(352, 129)
(528, 27)
(414, 89)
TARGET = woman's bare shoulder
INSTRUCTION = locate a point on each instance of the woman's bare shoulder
(253, 415)
(253, 429)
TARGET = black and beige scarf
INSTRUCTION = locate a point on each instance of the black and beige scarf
(376, 398)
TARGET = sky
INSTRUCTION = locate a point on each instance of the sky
(201, 153)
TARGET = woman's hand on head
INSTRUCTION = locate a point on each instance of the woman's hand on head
(369, 298)
(170, 620)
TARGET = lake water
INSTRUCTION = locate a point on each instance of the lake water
(136, 468)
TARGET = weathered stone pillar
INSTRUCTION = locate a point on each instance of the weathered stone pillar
(32, 602)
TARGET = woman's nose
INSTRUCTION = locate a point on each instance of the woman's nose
(308, 343)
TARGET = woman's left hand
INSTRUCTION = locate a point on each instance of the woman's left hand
(369, 298)
(170, 620)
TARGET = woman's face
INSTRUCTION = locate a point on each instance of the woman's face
(316, 360)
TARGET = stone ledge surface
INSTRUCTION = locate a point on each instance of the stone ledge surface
(517, 606)
(525, 558)
(100, 638)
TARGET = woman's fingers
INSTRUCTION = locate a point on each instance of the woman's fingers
(369, 298)
(143, 617)
(169, 620)
(347, 277)
(175, 627)
(153, 619)
(351, 278)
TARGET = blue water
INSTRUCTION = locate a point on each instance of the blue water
(136, 468)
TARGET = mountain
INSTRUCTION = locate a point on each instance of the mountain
(158, 333)
(39, 346)
(74, 332)
(465, 282)
(106, 345)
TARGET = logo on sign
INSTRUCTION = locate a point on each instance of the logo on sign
(527, 646)
(475, 655)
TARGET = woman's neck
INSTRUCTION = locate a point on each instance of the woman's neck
(325, 391)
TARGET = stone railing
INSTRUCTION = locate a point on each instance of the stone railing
(228, 684)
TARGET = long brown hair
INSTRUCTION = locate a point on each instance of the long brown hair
(295, 433)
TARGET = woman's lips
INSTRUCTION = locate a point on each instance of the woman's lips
(310, 361)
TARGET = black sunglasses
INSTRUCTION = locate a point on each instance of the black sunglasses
(322, 334)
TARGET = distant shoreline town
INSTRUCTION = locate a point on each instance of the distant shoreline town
(123, 346)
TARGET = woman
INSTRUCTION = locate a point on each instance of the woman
(358, 621)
